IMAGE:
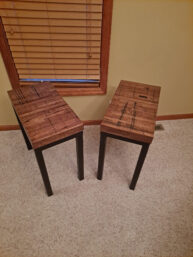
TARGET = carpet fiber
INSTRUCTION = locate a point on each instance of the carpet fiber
(95, 218)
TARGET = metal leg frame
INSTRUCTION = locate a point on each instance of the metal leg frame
(141, 159)
(139, 165)
(43, 170)
(102, 147)
(40, 158)
(80, 157)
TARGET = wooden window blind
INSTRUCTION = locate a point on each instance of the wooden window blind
(65, 42)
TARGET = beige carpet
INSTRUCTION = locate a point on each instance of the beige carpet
(95, 218)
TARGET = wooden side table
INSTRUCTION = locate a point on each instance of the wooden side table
(46, 120)
(130, 117)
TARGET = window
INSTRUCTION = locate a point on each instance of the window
(65, 42)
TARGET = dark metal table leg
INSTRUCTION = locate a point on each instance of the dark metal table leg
(139, 165)
(43, 170)
(29, 147)
(101, 159)
(80, 155)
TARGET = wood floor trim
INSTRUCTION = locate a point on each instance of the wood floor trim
(175, 116)
(92, 122)
(9, 127)
(97, 122)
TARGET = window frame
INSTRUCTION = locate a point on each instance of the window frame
(72, 90)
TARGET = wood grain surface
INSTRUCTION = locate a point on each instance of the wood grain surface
(45, 116)
(132, 112)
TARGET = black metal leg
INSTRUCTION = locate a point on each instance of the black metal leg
(139, 165)
(103, 138)
(29, 147)
(43, 170)
(80, 155)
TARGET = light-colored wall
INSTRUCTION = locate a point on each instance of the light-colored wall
(151, 42)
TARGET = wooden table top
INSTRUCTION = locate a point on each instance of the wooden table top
(45, 116)
(132, 112)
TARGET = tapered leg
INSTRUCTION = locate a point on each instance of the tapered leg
(29, 147)
(80, 155)
(43, 170)
(101, 159)
(139, 165)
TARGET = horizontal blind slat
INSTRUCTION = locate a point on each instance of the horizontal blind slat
(52, 22)
(56, 61)
(55, 49)
(70, 77)
(62, 1)
(54, 55)
(48, 36)
(54, 43)
(58, 72)
(49, 7)
(54, 30)
(57, 66)
(52, 15)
